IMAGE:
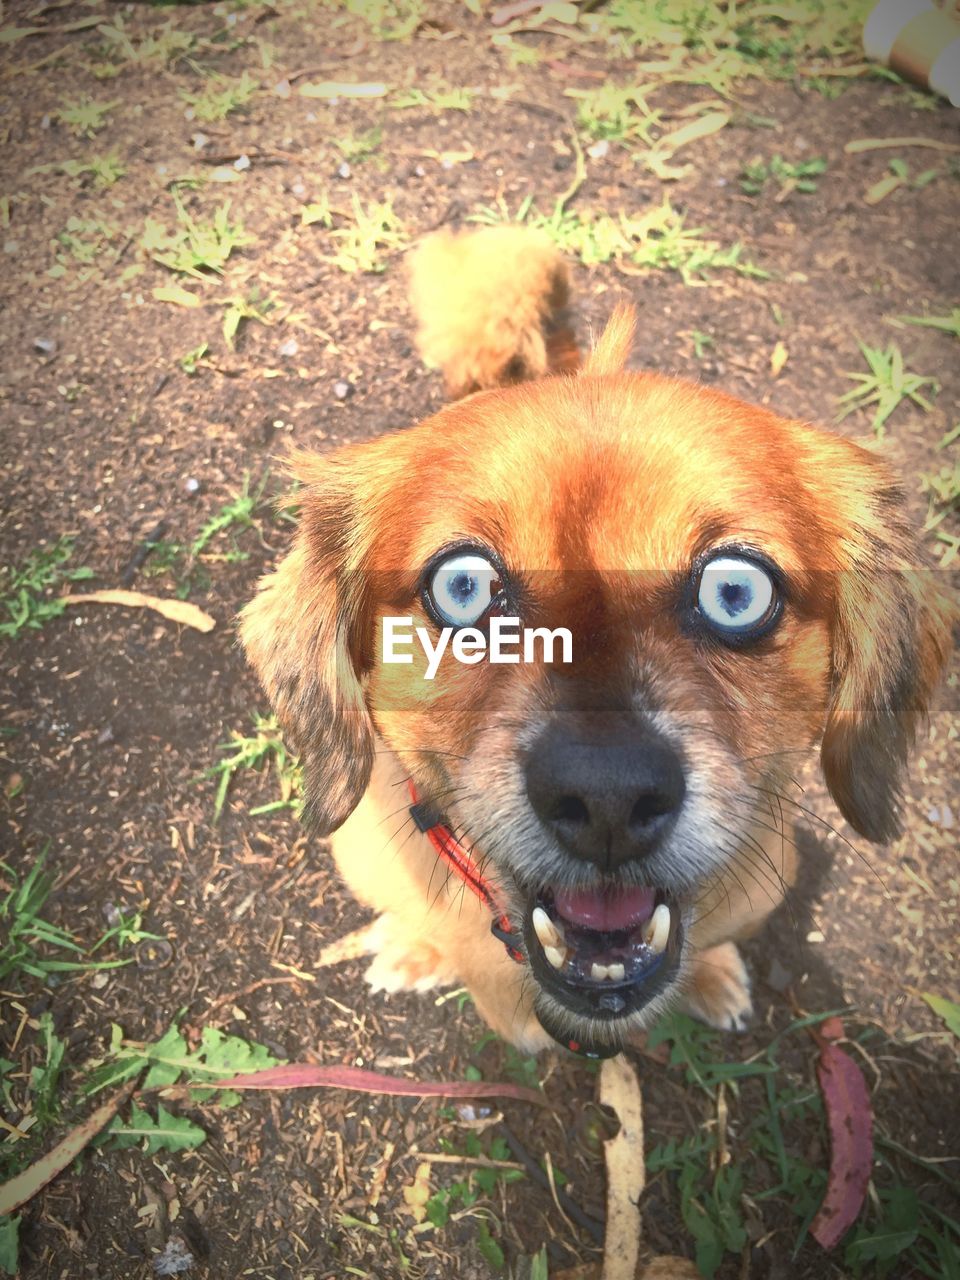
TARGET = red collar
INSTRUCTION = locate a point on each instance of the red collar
(460, 861)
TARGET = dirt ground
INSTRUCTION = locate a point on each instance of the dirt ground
(112, 716)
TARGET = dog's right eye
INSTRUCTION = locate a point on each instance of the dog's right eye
(462, 588)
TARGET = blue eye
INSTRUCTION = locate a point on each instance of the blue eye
(463, 587)
(736, 596)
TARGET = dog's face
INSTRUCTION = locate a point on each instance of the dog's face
(737, 588)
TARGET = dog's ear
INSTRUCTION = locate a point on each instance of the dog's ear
(299, 633)
(891, 635)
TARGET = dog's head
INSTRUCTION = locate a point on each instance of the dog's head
(738, 588)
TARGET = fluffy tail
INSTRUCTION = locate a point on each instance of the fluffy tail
(490, 307)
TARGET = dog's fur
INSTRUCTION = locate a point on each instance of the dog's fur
(599, 490)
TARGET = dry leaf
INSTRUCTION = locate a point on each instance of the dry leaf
(880, 190)
(341, 89)
(182, 611)
(176, 294)
(670, 1267)
(417, 1193)
(778, 358)
(850, 1120)
(857, 145)
(626, 1175)
(379, 1179)
(307, 1075)
(713, 122)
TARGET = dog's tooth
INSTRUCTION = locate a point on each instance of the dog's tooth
(547, 932)
(555, 955)
(616, 972)
(659, 929)
(598, 972)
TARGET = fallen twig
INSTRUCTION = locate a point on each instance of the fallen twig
(182, 611)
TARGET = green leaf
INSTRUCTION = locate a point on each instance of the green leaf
(167, 1133)
(9, 1234)
(488, 1246)
(945, 1009)
(538, 1265)
(169, 1060)
(437, 1209)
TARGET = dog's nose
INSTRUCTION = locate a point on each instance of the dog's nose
(606, 802)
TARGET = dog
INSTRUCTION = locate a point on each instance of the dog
(580, 843)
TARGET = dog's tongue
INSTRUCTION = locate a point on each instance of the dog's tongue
(603, 909)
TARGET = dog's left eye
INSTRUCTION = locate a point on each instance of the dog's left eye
(737, 597)
(463, 587)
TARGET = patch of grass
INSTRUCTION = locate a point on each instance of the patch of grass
(191, 361)
(195, 248)
(717, 44)
(264, 748)
(465, 1193)
(182, 562)
(252, 307)
(942, 488)
(84, 117)
(125, 931)
(389, 19)
(169, 557)
(516, 52)
(103, 170)
(946, 324)
(357, 147)
(657, 239)
(163, 47)
(610, 112)
(30, 938)
(237, 514)
(81, 243)
(896, 1229)
(221, 96)
(886, 386)
(899, 176)
(375, 228)
(442, 98)
(701, 342)
(801, 176)
(27, 598)
(318, 212)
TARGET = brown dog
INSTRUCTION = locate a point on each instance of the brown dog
(737, 588)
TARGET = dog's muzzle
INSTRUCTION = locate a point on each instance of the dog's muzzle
(603, 951)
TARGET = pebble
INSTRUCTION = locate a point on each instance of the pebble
(599, 149)
(241, 163)
(343, 170)
(191, 486)
(288, 348)
(343, 389)
(46, 346)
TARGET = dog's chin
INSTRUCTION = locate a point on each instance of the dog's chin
(599, 957)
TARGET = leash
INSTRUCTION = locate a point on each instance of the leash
(449, 848)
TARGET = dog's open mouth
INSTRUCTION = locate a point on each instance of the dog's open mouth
(602, 952)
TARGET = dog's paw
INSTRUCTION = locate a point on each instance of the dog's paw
(719, 990)
(405, 962)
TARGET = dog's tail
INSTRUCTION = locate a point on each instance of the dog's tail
(491, 307)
